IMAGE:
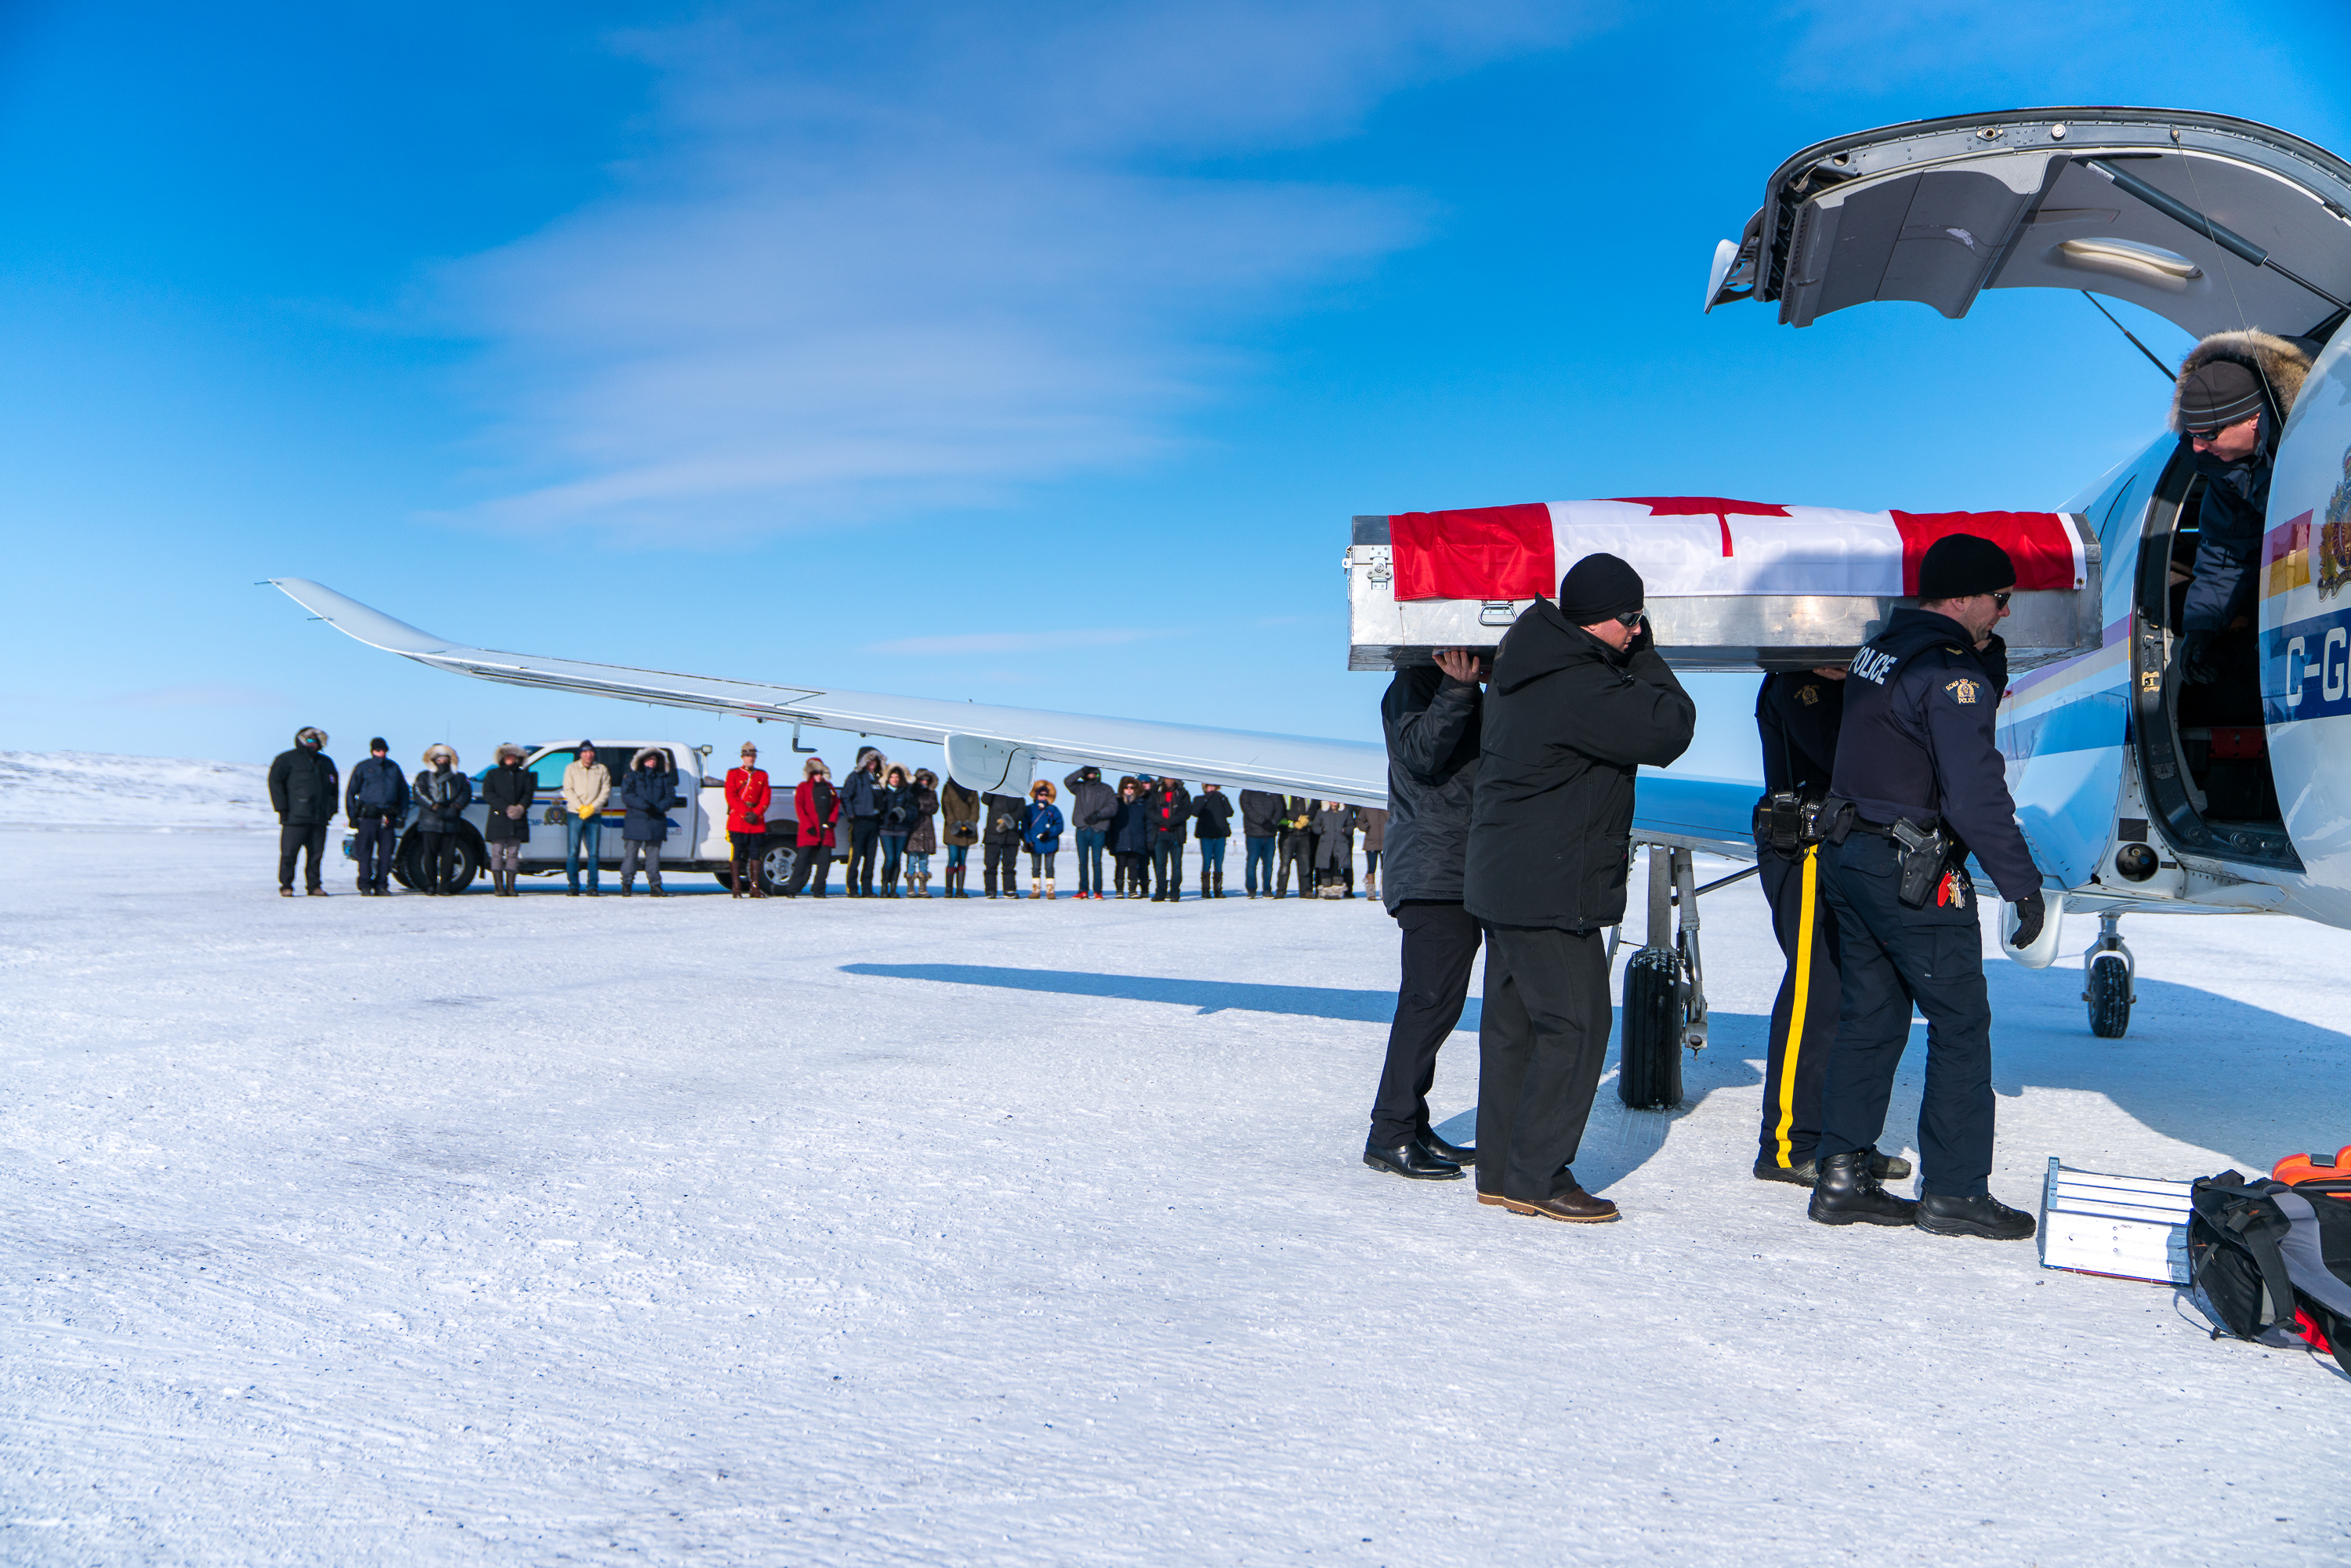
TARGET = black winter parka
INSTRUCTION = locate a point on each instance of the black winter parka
(1568, 722)
(1093, 803)
(1432, 725)
(1215, 815)
(1260, 814)
(502, 787)
(302, 786)
(442, 796)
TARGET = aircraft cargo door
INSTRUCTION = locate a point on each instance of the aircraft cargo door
(2305, 626)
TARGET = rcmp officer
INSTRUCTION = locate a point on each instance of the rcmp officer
(1919, 784)
(1797, 716)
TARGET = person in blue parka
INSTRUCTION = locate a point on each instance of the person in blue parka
(646, 795)
(1041, 829)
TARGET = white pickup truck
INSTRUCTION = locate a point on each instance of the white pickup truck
(697, 819)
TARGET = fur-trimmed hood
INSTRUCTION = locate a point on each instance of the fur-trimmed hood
(2280, 364)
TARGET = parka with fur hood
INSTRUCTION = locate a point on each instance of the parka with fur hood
(2237, 491)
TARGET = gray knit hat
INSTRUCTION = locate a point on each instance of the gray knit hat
(2216, 394)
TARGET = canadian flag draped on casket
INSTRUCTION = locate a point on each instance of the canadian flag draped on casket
(1731, 584)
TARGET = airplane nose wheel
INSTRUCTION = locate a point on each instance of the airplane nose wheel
(2109, 977)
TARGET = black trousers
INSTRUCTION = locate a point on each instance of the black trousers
(1892, 958)
(1541, 1042)
(864, 838)
(1167, 865)
(810, 860)
(1130, 870)
(1297, 848)
(293, 837)
(1804, 1014)
(438, 862)
(1440, 943)
(377, 842)
(1005, 858)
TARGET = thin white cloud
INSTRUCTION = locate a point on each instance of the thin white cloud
(1012, 642)
(199, 694)
(898, 255)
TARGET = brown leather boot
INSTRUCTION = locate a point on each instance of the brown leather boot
(1576, 1206)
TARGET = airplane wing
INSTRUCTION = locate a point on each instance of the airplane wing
(991, 747)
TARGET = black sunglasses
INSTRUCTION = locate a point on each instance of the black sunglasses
(2001, 598)
(1630, 620)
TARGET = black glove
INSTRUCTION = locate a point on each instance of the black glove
(2195, 666)
(2030, 911)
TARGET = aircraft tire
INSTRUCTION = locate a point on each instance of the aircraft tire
(2107, 989)
(1649, 1067)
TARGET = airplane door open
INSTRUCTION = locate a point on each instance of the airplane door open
(2305, 626)
(2210, 221)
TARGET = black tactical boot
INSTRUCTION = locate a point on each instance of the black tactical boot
(1982, 1215)
(1413, 1161)
(1847, 1194)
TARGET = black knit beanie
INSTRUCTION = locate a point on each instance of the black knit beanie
(2219, 393)
(1959, 566)
(1599, 588)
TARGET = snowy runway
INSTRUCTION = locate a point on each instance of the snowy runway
(413, 1231)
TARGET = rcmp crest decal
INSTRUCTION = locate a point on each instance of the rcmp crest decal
(1964, 691)
(2332, 569)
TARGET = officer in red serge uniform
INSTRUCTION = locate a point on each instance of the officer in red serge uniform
(1919, 784)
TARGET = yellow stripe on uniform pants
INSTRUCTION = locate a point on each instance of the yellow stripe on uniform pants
(1796, 1013)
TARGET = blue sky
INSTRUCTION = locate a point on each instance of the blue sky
(1028, 354)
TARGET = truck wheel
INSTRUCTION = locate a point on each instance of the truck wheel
(2107, 990)
(1649, 1067)
(408, 865)
(776, 861)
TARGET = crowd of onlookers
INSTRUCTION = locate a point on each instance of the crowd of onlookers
(1128, 837)
(886, 822)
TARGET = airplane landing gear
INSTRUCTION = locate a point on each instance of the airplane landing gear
(1664, 986)
(2109, 977)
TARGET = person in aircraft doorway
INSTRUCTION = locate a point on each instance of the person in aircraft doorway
(1797, 716)
(1919, 784)
(2234, 391)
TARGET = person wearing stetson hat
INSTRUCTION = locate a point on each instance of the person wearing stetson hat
(1918, 783)
(1579, 700)
(2234, 391)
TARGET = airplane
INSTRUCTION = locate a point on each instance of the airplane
(2136, 791)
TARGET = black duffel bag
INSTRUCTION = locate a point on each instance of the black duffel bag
(2275, 1264)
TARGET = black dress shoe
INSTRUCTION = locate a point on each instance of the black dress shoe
(1437, 1148)
(1982, 1215)
(1410, 1160)
(1847, 1194)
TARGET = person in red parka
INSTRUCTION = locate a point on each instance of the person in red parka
(747, 820)
(818, 807)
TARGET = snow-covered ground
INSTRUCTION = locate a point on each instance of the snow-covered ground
(96, 789)
(473, 1230)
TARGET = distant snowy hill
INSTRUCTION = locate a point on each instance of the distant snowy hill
(95, 790)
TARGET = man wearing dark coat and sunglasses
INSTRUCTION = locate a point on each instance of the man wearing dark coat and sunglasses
(1578, 701)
